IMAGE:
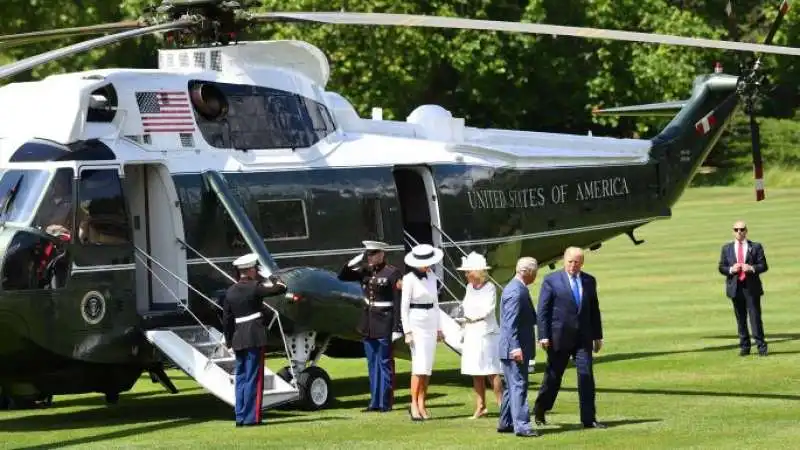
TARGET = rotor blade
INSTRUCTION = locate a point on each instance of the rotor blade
(758, 167)
(20, 66)
(782, 10)
(13, 40)
(345, 18)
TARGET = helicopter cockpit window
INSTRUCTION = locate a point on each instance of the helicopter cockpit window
(55, 214)
(101, 215)
(263, 118)
(19, 192)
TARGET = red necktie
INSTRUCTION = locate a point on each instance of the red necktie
(740, 260)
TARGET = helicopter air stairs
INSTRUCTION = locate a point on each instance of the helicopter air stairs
(451, 312)
(200, 351)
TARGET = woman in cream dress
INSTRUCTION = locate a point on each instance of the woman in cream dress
(419, 313)
(479, 351)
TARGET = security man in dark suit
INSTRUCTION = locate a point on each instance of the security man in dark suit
(569, 325)
(244, 323)
(742, 262)
(380, 319)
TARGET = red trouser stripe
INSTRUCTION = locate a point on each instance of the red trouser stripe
(259, 384)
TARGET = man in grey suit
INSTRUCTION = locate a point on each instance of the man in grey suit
(517, 321)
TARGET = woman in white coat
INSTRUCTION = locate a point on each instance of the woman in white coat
(479, 351)
(419, 313)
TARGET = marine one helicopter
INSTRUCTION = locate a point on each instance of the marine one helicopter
(123, 202)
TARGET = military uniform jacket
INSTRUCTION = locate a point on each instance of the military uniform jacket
(244, 317)
(382, 293)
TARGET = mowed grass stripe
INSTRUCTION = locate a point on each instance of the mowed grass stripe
(669, 376)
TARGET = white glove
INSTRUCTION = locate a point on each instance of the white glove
(396, 335)
(356, 259)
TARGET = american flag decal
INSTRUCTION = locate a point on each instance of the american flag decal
(704, 125)
(165, 112)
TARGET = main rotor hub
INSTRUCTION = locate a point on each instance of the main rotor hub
(214, 21)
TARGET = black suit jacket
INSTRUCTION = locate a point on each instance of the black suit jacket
(244, 298)
(755, 257)
(559, 318)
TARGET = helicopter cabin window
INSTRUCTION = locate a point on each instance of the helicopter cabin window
(255, 117)
(101, 218)
(283, 220)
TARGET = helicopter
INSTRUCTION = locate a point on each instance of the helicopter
(124, 202)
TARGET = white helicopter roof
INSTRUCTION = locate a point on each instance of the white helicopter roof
(55, 109)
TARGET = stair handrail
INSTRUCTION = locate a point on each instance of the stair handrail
(177, 299)
(276, 317)
(455, 244)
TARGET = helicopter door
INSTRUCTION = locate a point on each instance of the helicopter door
(157, 225)
(419, 207)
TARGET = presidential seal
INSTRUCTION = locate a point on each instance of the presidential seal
(93, 307)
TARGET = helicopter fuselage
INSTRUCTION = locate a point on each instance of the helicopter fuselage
(126, 152)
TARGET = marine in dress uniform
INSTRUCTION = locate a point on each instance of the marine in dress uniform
(244, 327)
(380, 319)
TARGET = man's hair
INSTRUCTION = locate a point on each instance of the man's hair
(526, 264)
(573, 251)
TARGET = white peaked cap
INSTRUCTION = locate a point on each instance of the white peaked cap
(375, 245)
(473, 261)
(247, 261)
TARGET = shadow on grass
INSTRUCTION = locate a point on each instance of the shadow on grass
(684, 392)
(191, 408)
(565, 427)
(99, 399)
(600, 359)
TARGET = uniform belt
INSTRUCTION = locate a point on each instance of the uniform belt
(379, 304)
(421, 305)
(244, 319)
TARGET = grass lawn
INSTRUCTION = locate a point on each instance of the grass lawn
(669, 375)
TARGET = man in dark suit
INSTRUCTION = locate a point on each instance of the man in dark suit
(569, 325)
(517, 320)
(245, 330)
(742, 262)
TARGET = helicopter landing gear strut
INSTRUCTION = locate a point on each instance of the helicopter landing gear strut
(313, 383)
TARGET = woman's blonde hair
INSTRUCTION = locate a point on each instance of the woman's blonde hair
(481, 275)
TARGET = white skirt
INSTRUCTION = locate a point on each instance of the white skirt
(423, 332)
(480, 353)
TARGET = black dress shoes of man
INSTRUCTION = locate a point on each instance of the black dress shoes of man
(744, 352)
(595, 424)
(762, 352)
(505, 430)
(538, 417)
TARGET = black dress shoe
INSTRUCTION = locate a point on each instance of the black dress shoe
(530, 433)
(744, 352)
(538, 417)
(365, 410)
(762, 352)
(595, 424)
(505, 430)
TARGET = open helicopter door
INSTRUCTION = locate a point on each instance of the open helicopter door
(419, 207)
(157, 225)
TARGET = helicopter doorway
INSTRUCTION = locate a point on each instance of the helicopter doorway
(419, 207)
(157, 225)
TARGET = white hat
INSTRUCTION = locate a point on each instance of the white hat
(375, 245)
(247, 261)
(423, 255)
(473, 261)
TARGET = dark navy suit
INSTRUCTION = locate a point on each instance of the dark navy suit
(571, 325)
(517, 321)
(745, 293)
